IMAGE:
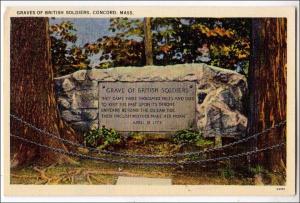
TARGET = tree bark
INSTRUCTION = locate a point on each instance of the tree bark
(267, 87)
(148, 41)
(32, 94)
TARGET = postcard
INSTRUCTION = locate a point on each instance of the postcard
(149, 101)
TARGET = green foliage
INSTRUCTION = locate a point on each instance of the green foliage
(258, 169)
(92, 137)
(127, 28)
(66, 56)
(216, 41)
(204, 142)
(118, 52)
(137, 136)
(102, 137)
(227, 172)
(189, 136)
(222, 42)
(144, 137)
(125, 48)
(186, 136)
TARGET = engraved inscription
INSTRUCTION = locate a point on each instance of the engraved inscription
(147, 106)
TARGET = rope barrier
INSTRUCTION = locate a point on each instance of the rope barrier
(282, 123)
(83, 156)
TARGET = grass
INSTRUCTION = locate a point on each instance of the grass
(108, 174)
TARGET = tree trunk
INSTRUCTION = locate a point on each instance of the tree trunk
(148, 41)
(32, 94)
(267, 87)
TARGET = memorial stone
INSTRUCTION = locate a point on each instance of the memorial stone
(158, 99)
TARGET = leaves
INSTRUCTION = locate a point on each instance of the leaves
(214, 32)
(102, 137)
(186, 136)
(222, 42)
(120, 52)
(66, 57)
(165, 48)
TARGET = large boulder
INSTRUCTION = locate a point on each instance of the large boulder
(219, 94)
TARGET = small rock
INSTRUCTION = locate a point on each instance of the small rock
(67, 85)
(63, 103)
(76, 111)
(228, 98)
(79, 75)
(222, 77)
(89, 114)
(85, 103)
(81, 126)
(86, 85)
(95, 74)
(69, 117)
(85, 99)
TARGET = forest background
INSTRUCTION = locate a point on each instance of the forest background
(104, 43)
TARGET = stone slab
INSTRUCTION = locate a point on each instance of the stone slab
(147, 106)
(219, 93)
(123, 180)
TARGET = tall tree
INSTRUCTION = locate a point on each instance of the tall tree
(267, 86)
(32, 94)
(148, 41)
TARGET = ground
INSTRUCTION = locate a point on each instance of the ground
(94, 172)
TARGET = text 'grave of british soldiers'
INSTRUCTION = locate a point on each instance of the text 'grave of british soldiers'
(155, 99)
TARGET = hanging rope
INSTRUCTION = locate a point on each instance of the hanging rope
(129, 162)
(147, 156)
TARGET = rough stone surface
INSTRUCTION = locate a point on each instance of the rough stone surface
(67, 85)
(79, 75)
(63, 103)
(90, 114)
(219, 94)
(70, 116)
(81, 126)
(86, 85)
